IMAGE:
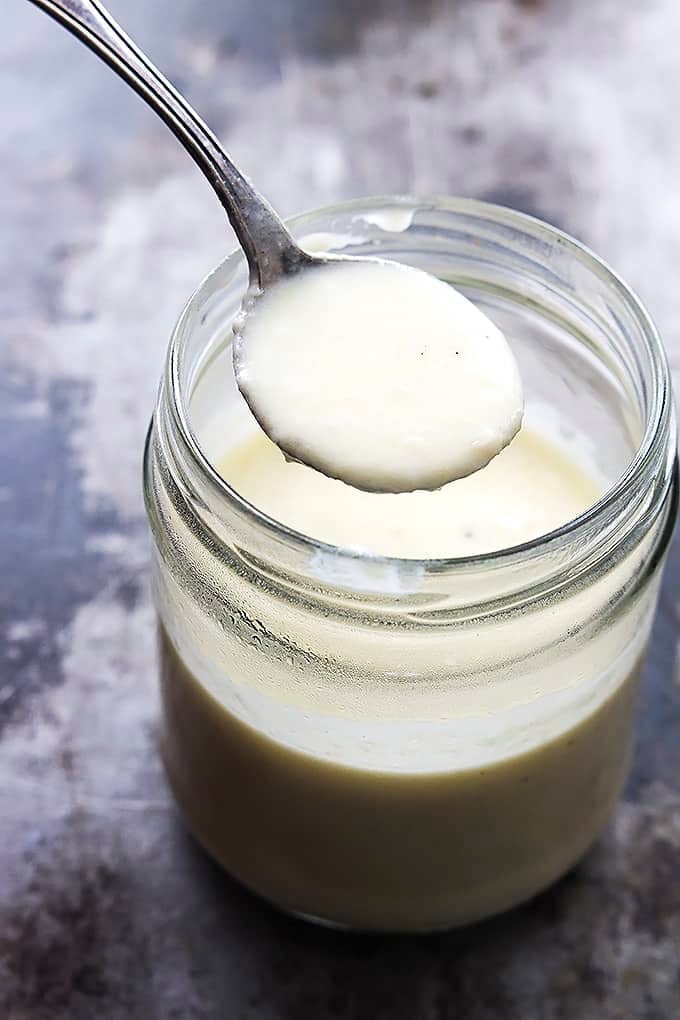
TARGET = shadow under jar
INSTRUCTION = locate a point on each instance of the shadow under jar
(401, 744)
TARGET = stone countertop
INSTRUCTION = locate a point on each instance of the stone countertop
(107, 909)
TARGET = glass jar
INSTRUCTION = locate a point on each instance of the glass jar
(398, 744)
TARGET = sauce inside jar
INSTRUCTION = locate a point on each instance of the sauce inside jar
(352, 829)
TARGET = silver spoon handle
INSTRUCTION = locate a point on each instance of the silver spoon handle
(269, 248)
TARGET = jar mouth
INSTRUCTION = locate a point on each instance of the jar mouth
(650, 453)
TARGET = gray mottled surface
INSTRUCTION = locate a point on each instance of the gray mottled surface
(107, 909)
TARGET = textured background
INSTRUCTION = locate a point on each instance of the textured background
(566, 109)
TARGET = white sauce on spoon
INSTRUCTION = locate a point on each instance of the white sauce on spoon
(378, 374)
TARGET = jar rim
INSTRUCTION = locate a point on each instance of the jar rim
(651, 448)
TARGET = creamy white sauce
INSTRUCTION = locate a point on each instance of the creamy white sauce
(506, 731)
(392, 221)
(378, 374)
(531, 488)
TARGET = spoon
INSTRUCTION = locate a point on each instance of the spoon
(375, 373)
